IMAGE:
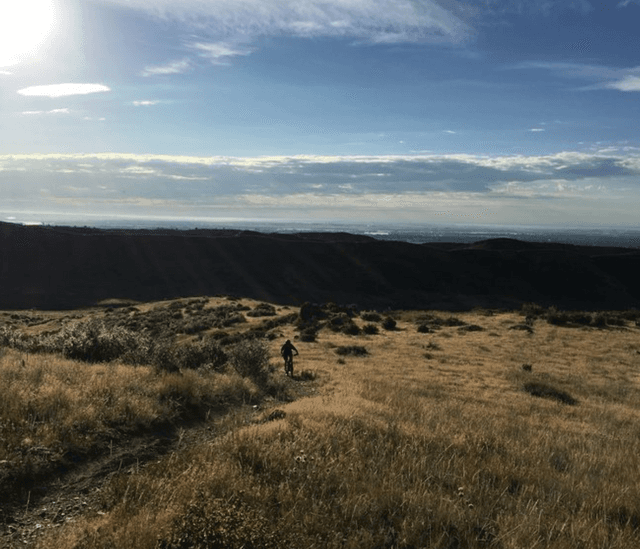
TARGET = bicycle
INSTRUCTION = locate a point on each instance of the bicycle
(288, 365)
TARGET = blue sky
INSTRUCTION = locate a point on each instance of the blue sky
(413, 111)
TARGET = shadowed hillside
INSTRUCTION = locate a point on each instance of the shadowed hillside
(61, 267)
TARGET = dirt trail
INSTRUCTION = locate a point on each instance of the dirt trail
(63, 497)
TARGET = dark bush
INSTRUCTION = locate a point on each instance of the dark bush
(351, 328)
(532, 309)
(355, 350)
(308, 335)
(470, 328)
(370, 329)
(310, 312)
(523, 327)
(424, 329)
(262, 309)
(452, 321)
(543, 390)
(389, 323)
(371, 317)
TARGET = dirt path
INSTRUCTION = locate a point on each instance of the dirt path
(63, 497)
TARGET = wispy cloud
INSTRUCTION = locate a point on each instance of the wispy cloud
(388, 21)
(218, 52)
(174, 67)
(622, 79)
(63, 90)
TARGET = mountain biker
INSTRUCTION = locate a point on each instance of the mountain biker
(287, 353)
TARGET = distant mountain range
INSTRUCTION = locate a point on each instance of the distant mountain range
(66, 267)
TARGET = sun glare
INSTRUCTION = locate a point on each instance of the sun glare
(25, 26)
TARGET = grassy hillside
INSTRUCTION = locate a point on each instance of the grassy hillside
(479, 430)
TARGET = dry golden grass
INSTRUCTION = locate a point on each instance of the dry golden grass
(427, 441)
(51, 404)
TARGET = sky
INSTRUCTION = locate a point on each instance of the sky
(485, 112)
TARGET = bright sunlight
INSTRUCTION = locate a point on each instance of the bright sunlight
(24, 28)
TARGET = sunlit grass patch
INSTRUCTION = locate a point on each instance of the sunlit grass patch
(54, 403)
(398, 451)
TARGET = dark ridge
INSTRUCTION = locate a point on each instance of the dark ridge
(68, 267)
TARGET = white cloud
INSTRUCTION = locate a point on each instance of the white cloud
(174, 67)
(63, 90)
(218, 52)
(627, 84)
(368, 20)
(52, 111)
(145, 103)
(536, 129)
(548, 188)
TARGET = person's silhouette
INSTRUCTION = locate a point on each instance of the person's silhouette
(287, 351)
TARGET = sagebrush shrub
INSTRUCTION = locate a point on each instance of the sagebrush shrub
(389, 323)
(250, 358)
(370, 329)
(93, 341)
(371, 317)
(262, 309)
(206, 352)
(355, 350)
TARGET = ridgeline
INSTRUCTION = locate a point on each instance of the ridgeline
(65, 267)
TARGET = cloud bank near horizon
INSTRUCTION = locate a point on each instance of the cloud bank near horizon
(600, 187)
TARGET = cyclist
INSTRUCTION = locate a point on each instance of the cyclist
(287, 353)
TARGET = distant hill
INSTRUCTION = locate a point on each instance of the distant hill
(68, 267)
